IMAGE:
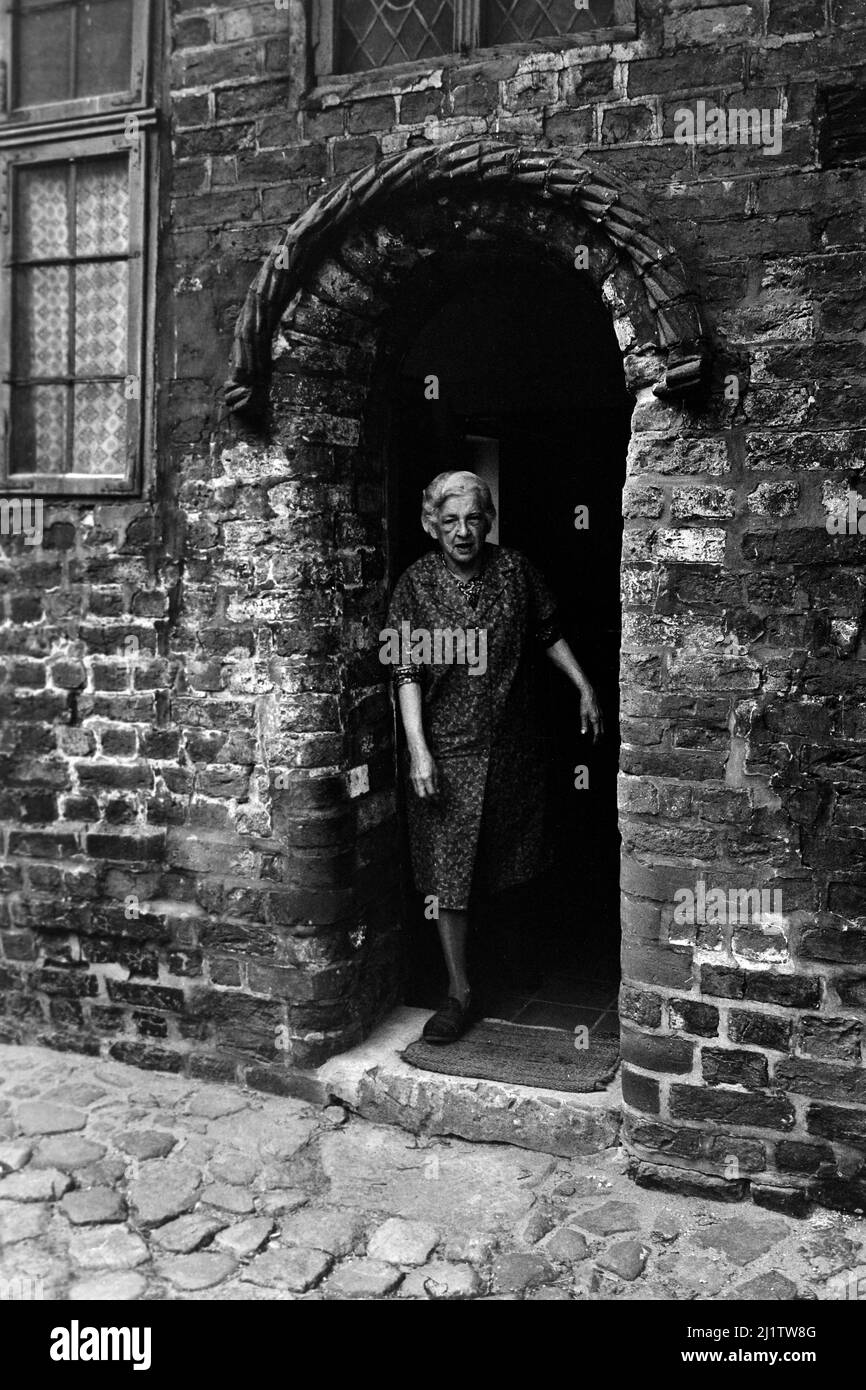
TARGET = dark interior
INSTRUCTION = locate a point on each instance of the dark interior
(527, 361)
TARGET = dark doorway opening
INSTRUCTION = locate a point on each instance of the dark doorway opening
(529, 392)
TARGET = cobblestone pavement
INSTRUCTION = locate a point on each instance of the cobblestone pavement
(123, 1184)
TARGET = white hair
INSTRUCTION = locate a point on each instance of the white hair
(454, 484)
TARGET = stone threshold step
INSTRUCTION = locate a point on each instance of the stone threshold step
(377, 1084)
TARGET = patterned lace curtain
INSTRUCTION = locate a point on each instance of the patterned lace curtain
(71, 314)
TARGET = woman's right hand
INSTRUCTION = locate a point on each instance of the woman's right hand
(423, 774)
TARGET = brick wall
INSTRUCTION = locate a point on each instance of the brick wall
(198, 804)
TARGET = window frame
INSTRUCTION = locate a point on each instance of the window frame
(76, 107)
(467, 40)
(79, 129)
(53, 152)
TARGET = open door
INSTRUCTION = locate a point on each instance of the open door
(530, 394)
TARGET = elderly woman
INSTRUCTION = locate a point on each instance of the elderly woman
(475, 751)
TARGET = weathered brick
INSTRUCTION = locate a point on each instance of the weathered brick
(750, 1156)
(657, 966)
(733, 1067)
(352, 154)
(656, 1053)
(851, 990)
(138, 1054)
(692, 1016)
(152, 996)
(415, 107)
(130, 846)
(640, 1006)
(795, 1156)
(759, 1030)
(731, 1107)
(795, 16)
(71, 983)
(765, 987)
(685, 71)
(839, 1123)
(375, 114)
(835, 1039)
(833, 941)
(662, 1138)
(224, 972)
(640, 1092)
(823, 1080)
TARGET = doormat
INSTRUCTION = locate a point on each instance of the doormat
(515, 1053)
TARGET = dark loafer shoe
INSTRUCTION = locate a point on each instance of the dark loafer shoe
(449, 1023)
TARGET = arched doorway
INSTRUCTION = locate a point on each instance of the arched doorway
(516, 374)
(322, 333)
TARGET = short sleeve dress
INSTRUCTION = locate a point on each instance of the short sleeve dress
(486, 828)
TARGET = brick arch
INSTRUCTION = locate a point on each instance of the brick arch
(319, 332)
(318, 335)
(592, 196)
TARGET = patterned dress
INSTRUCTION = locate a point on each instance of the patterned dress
(486, 828)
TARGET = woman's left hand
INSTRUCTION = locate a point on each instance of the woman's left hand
(590, 714)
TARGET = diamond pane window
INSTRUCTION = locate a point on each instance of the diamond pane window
(70, 316)
(353, 36)
(71, 51)
(515, 21)
(375, 33)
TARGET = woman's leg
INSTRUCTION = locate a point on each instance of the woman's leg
(453, 933)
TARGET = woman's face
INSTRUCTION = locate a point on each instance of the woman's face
(461, 528)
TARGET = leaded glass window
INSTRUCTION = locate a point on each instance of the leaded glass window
(376, 33)
(514, 21)
(353, 36)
